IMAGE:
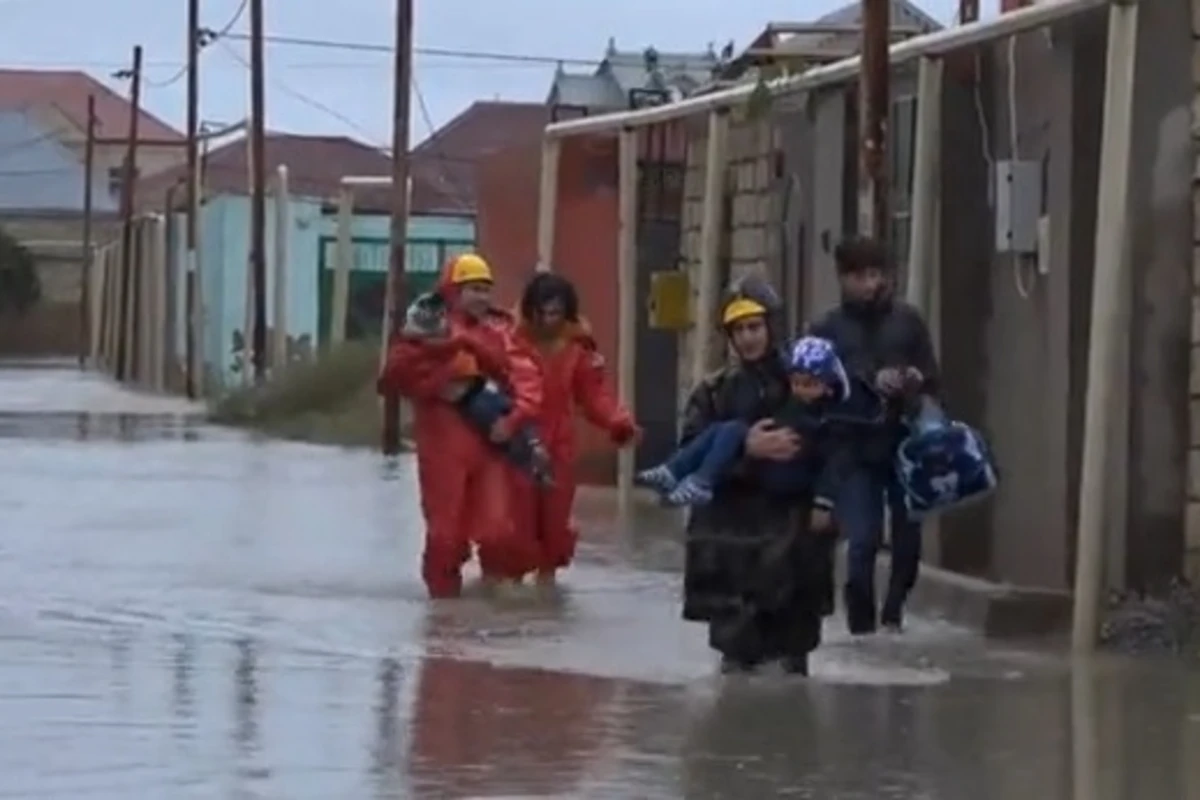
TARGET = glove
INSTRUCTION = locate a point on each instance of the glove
(624, 431)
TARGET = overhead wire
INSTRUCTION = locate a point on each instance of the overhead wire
(446, 52)
(303, 98)
(455, 188)
(224, 30)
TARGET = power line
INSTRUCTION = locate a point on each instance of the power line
(182, 71)
(426, 117)
(366, 47)
(300, 96)
(443, 162)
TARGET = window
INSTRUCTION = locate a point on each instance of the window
(116, 180)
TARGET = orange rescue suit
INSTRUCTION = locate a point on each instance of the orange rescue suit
(573, 376)
(465, 482)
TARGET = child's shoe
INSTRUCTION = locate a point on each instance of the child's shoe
(659, 478)
(690, 492)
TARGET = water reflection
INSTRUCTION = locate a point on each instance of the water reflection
(477, 727)
(95, 427)
(183, 699)
(387, 760)
(246, 697)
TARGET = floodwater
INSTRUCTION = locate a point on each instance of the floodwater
(190, 612)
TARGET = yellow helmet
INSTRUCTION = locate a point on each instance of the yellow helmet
(741, 308)
(469, 268)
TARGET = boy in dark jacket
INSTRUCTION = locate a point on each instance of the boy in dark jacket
(885, 342)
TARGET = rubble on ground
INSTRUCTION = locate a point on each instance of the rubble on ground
(1158, 623)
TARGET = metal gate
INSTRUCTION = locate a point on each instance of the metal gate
(661, 170)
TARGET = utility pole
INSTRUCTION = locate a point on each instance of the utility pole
(128, 285)
(86, 312)
(258, 203)
(874, 100)
(396, 299)
(968, 11)
(191, 281)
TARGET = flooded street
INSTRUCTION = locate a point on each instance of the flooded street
(188, 611)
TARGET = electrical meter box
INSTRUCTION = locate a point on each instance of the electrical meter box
(669, 307)
(1018, 206)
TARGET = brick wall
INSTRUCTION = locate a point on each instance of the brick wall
(750, 239)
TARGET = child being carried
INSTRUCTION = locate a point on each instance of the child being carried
(822, 398)
(481, 401)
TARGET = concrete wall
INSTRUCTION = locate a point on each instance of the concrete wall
(1193, 504)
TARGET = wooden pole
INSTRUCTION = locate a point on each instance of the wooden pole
(279, 288)
(1107, 326)
(627, 206)
(103, 309)
(98, 296)
(250, 337)
(147, 332)
(194, 336)
(128, 187)
(874, 101)
(711, 225)
(171, 366)
(112, 301)
(548, 203)
(258, 203)
(87, 308)
(397, 290)
(343, 262)
(926, 185)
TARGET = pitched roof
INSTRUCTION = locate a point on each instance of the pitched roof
(443, 166)
(316, 166)
(66, 91)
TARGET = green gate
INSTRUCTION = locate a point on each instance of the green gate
(368, 279)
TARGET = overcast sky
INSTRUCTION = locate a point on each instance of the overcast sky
(98, 35)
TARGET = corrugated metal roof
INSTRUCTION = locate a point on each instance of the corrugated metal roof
(586, 91)
(38, 173)
(684, 71)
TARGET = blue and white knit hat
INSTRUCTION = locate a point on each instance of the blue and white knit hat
(818, 357)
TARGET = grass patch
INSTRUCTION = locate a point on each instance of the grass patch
(328, 400)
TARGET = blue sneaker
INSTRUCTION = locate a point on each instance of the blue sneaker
(691, 491)
(659, 478)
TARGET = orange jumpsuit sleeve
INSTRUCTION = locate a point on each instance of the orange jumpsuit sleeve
(416, 371)
(524, 377)
(594, 393)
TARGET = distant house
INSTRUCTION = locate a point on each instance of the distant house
(316, 166)
(39, 173)
(626, 79)
(443, 167)
(58, 101)
(43, 128)
(796, 46)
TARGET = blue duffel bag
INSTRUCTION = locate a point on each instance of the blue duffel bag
(943, 463)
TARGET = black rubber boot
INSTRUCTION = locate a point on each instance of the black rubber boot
(860, 612)
(796, 665)
(737, 666)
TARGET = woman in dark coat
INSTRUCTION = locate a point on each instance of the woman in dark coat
(753, 572)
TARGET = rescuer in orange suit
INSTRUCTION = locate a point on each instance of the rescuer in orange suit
(464, 479)
(573, 376)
